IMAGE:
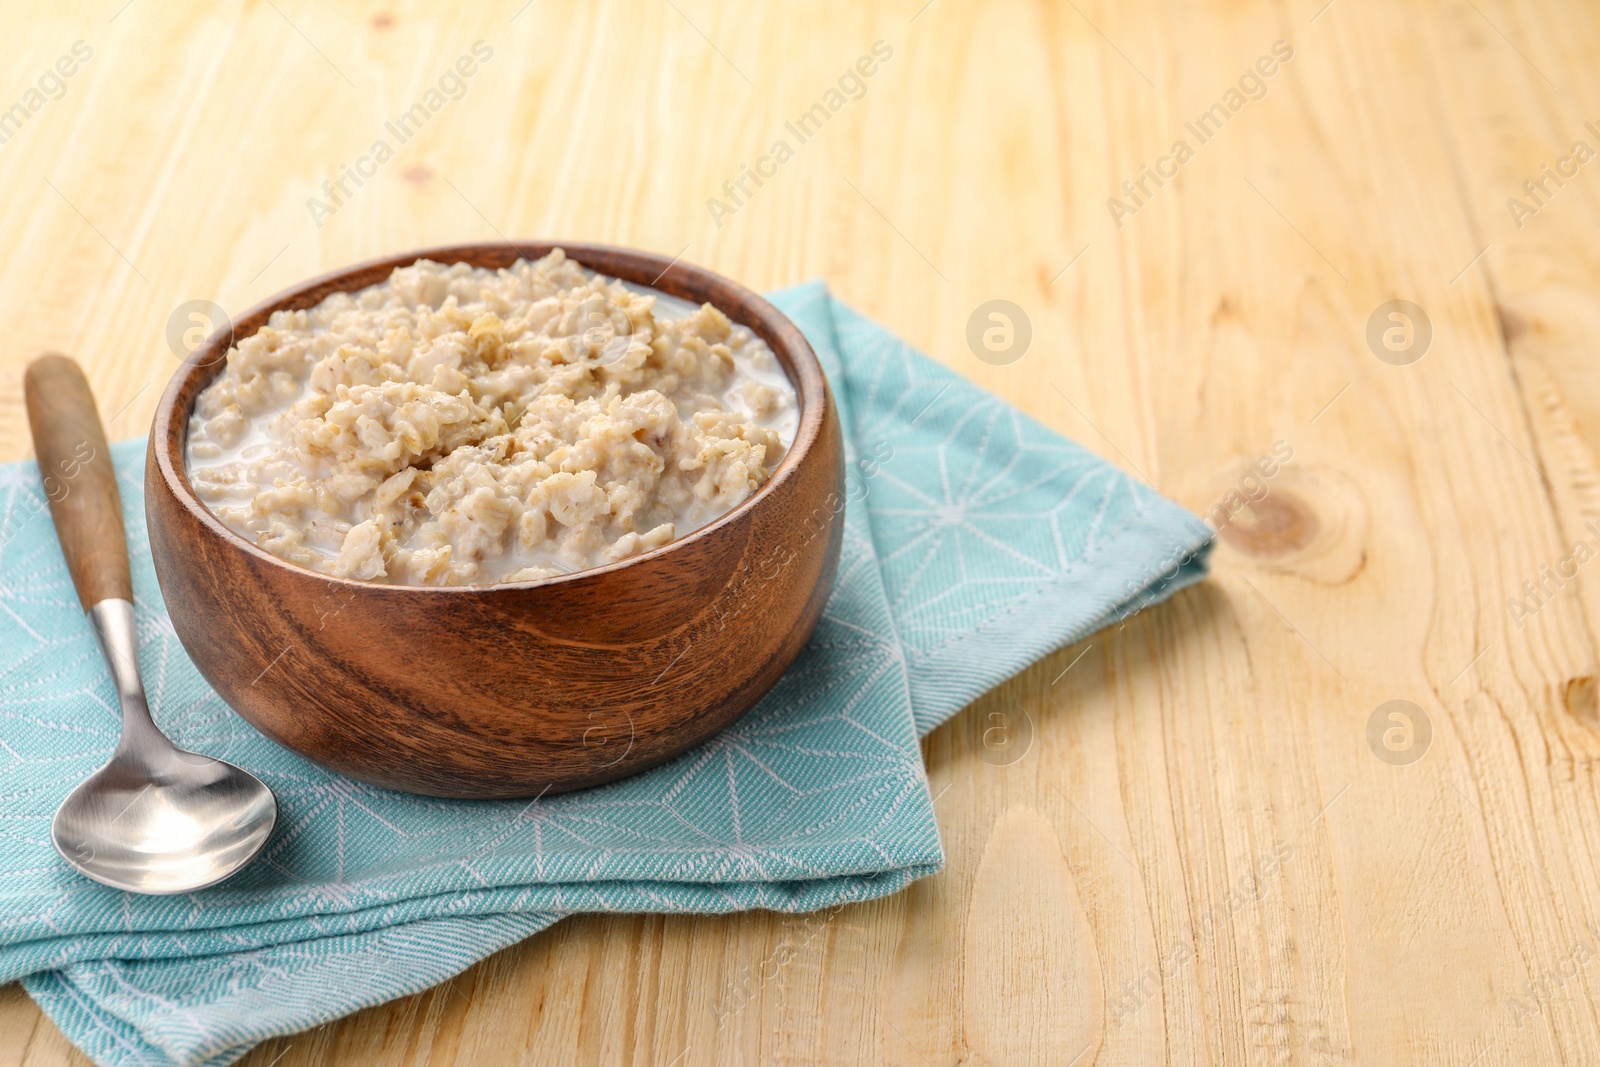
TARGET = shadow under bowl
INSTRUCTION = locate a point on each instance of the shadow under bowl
(523, 688)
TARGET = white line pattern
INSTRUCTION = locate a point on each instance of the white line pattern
(983, 543)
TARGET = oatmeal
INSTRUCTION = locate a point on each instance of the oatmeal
(457, 425)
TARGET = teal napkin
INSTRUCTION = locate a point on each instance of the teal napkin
(976, 541)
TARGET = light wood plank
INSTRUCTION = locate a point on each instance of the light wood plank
(1200, 859)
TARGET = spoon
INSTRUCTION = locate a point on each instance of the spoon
(155, 819)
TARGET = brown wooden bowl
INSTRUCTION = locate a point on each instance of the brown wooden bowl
(517, 689)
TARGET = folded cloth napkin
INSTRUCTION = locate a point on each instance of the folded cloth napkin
(976, 541)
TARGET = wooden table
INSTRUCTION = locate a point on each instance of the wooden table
(1220, 846)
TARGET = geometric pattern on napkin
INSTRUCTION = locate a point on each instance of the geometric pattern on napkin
(985, 541)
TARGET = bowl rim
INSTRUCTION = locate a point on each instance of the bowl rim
(168, 436)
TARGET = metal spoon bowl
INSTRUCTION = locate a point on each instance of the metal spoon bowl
(168, 834)
(156, 818)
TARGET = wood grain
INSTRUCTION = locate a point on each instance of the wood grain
(79, 480)
(523, 688)
(1236, 876)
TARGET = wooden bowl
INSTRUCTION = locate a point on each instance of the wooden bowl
(518, 689)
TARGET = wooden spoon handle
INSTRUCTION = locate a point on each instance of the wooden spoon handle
(78, 477)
